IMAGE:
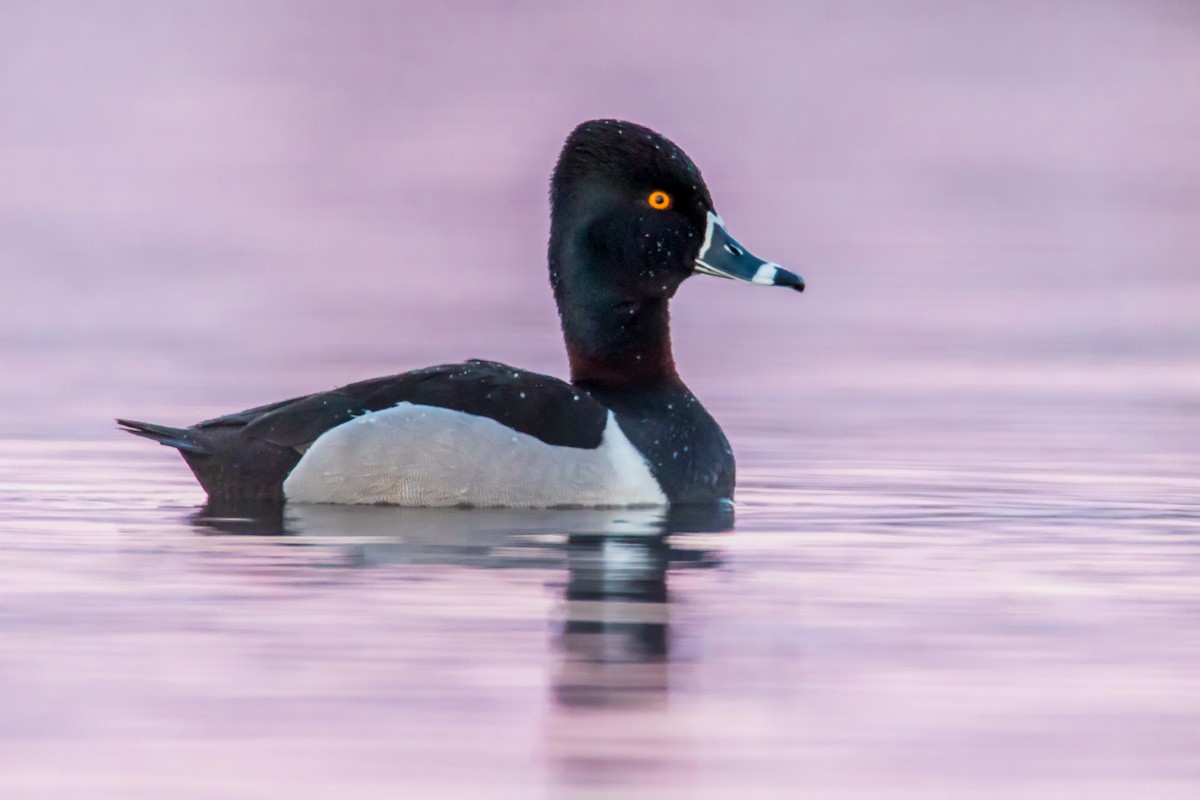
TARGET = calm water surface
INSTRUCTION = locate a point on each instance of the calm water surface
(964, 559)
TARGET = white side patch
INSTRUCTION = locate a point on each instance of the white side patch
(412, 455)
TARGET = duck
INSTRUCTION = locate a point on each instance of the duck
(631, 219)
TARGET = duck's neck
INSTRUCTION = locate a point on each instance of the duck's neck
(616, 337)
(617, 343)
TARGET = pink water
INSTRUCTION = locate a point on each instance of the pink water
(965, 558)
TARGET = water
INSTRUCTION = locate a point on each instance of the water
(963, 560)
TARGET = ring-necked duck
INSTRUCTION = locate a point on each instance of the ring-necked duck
(631, 219)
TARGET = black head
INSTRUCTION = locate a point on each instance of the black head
(632, 218)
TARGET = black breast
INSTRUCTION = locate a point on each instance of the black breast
(688, 453)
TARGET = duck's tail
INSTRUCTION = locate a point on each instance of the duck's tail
(179, 438)
(228, 466)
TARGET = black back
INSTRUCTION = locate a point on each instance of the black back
(538, 405)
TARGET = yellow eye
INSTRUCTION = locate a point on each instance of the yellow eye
(659, 200)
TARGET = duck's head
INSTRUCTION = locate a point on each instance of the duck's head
(631, 219)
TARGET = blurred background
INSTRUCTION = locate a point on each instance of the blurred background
(207, 205)
(966, 545)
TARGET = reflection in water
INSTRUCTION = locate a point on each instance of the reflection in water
(616, 620)
(614, 630)
(251, 519)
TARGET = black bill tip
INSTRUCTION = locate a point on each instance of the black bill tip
(789, 279)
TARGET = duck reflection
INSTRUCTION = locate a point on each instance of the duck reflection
(615, 640)
(612, 628)
(615, 621)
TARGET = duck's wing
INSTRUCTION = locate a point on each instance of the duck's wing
(538, 405)
(248, 454)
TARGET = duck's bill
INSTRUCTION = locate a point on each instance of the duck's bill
(723, 257)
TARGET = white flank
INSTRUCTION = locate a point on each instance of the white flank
(412, 455)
